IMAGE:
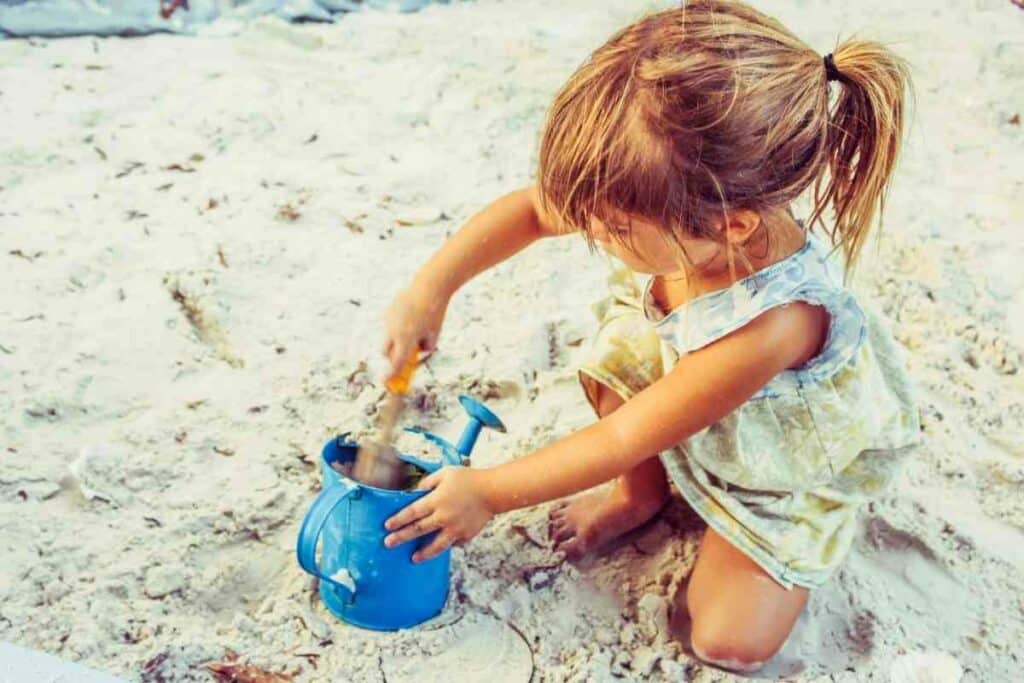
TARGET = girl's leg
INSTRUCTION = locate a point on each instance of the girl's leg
(587, 521)
(740, 615)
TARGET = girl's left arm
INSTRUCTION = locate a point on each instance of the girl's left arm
(705, 386)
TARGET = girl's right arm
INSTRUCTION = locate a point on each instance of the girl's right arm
(502, 229)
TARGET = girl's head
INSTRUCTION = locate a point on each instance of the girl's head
(694, 127)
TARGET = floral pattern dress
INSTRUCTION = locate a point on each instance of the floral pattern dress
(783, 476)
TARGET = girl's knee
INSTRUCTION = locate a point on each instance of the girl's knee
(740, 616)
(724, 646)
(732, 636)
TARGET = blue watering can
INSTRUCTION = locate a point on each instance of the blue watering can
(361, 581)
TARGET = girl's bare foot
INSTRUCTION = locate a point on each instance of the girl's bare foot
(588, 521)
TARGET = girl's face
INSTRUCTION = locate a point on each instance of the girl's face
(644, 247)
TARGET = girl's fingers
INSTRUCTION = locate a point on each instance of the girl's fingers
(408, 515)
(411, 531)
(429, 481)
(434, 548)
(397, 358)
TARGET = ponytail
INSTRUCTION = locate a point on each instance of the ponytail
(863, 140)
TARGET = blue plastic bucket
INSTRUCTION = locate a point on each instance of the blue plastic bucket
(361, 581)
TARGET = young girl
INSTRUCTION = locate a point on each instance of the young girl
(744, 371)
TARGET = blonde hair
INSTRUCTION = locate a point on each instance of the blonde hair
(714, 106)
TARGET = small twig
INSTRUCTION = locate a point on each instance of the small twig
(310, 657)
(180, 168)
(130, 168)
(529, 647)
(168, 8)
(525, 533)
(28, 257)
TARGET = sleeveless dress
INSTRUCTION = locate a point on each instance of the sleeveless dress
(783, 476)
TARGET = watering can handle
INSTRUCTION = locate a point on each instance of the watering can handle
(312, 527)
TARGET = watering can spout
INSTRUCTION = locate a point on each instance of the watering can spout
(479, 417)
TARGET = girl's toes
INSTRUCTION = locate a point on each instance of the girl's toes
(553, 526)
(574, 549)
(559, 546)
(562, 533)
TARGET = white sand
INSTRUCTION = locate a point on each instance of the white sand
(153, 471)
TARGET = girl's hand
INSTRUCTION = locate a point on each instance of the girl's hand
(413, 324)
(456, 508)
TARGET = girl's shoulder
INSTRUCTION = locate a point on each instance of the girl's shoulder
(811, 275)
(812, 270)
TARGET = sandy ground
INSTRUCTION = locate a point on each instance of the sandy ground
(198, 238)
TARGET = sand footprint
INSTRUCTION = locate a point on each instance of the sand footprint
(911, 562)
(891, 572)
(477, 647)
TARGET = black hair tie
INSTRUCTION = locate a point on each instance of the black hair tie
(831, 72)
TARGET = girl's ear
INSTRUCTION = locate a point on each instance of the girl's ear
(739, 225)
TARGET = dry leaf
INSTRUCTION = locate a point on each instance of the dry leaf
(230, 671)
(288, 213)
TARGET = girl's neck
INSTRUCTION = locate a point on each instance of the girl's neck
(779, 237)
